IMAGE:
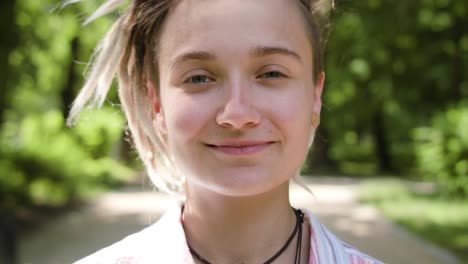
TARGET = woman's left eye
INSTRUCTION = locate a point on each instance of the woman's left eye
(272, 74)
(198, 79)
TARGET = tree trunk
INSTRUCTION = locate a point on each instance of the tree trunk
(457, 65)
(67, 91)
(320, 158)
(8, 43)
(381, 142)
(8, 237)
(8, 234)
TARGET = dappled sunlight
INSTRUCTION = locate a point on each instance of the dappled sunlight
(363, 213)
(361, 230)
(323, 193)
(132, 203)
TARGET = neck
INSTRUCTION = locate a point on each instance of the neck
(226, 229)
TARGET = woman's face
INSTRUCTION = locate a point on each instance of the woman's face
(236, 93)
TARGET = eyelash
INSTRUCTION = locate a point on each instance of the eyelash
(279, 75)
(207, 79)
(191, 78)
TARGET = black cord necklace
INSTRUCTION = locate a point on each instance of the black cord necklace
(297, 230)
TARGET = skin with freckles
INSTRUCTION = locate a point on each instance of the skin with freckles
(235, 108)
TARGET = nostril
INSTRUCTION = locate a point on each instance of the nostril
(238, 116)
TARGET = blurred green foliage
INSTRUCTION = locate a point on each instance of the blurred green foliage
(396, 81)
(47, 164)
(42, 161)
(442, 150)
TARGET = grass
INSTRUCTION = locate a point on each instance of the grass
(439, 219)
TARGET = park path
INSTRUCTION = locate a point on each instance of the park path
(112, 216)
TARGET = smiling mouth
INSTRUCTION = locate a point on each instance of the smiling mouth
(241, 148)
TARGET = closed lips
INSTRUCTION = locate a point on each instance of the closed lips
(239, 144)
(241, 147)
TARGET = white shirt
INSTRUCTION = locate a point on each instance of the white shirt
(165, 242)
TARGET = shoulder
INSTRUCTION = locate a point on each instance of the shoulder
(158, 243)
(356, 256)
(327, 248)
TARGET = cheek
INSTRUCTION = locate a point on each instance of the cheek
(186, 116)
(294, 120)
(294, 111)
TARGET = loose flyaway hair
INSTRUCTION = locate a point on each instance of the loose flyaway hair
(129, 51)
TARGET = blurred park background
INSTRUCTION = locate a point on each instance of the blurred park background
(395, 111)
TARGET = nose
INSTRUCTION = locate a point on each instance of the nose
(238, 112)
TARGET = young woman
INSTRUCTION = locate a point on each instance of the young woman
(222, 99)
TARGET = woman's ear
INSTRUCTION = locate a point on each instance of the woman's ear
(317, 99)
(318, 92)
(155, 103)
(157, 111)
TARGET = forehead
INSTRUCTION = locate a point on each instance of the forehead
(233, 27)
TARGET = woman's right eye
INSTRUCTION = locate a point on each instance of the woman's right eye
(198, 79)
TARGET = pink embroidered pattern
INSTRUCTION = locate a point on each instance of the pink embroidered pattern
(313, 256)
(127, 260)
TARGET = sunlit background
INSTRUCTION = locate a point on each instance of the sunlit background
(394, 124)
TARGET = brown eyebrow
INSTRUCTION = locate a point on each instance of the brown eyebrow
(261, 51)
(195, 55)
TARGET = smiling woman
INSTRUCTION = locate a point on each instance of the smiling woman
(222, 99)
